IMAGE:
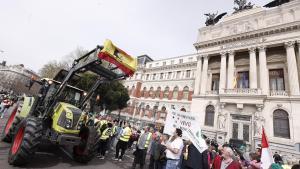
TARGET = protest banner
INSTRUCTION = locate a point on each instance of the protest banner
(190, 126)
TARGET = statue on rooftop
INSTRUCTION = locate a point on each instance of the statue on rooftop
(213, 18)
(242, 5)
(275, 3)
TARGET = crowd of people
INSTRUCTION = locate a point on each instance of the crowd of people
(154, 150)
(6, 100)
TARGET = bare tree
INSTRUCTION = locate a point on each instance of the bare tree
(50, 69)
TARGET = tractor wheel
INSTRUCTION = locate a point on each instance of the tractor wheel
(26, 141)
(11, 124)
(87, 148)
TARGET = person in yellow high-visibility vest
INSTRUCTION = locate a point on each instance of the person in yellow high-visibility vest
(142, 147)
(123, 142)
(114, 134)
(104, 138)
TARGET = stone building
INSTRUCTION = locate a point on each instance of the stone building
(15, 78)
(247, 77)
(159, 86)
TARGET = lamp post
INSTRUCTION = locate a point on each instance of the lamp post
(141, 107)
(155, 108)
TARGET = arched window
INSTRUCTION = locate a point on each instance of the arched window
(209, 115)
(143, 92)
(128, 90)
(281, 124)
(157, 93)
(166, 92)
(175, 92)
(151, 92)
(132, 90)
(186, 92)
(183, 109)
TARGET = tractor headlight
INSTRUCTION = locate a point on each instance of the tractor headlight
(68, 123)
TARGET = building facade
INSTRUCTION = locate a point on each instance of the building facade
(247, 78)
(15, 78)
(159, 86)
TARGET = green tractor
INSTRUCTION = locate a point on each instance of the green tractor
(56, 114)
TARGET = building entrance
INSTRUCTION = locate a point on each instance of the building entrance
(241, 128)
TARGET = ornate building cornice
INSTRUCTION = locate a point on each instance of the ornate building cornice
(249, 35)
(172, 67)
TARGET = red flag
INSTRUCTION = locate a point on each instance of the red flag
(264, 141)
(266, 156)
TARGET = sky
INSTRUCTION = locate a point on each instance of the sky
(34, 32)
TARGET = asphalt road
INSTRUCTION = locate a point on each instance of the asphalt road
(53, 157)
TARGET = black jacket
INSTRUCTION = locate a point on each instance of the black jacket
(196, 160)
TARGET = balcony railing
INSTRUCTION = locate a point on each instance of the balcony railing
(278, 93)
(243, 91)
(213, 92)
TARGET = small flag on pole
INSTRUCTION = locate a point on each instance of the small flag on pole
(266, 156)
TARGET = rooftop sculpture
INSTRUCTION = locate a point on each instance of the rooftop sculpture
(213, 18)
(242, 5)
(275, 3)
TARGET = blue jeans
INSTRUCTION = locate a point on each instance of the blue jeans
(172, 164)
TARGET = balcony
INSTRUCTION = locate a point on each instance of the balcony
(278, 93)
(242, 91)
(212, 92)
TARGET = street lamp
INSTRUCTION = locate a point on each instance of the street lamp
(141, 107)
(155, 111)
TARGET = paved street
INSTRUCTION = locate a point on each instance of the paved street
(54, 158)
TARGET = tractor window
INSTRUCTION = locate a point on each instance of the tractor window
(69, 95)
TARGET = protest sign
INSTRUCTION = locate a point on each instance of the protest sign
(190, 126)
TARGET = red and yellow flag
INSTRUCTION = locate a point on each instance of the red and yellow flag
(118, 57)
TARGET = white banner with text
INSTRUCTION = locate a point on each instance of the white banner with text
(189, 124)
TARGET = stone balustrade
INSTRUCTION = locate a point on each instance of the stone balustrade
(278, 93)
(213, 92)
(243, 91)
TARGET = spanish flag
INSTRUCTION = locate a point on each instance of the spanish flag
(118, 57)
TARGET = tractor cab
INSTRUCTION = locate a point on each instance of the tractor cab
(71, 95)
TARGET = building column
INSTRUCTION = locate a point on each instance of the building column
(209, 78)
(230, 73)
(198, 77)
(263, 70)
(298, 42)
(252, 68)
(204, 75)
(222, 85)
(292, 68)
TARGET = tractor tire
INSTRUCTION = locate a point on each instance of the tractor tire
(11, 124)
(26, 141)
(87, 148)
